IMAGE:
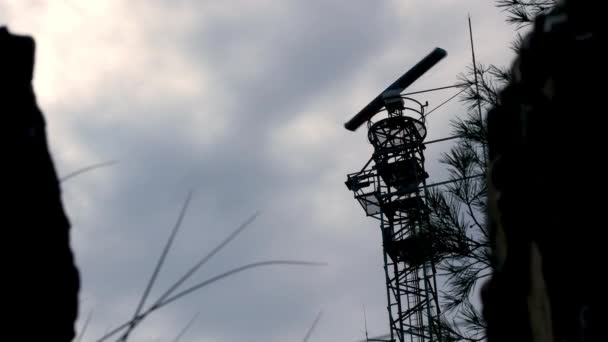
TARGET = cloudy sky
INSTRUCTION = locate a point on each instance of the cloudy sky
(244, 102)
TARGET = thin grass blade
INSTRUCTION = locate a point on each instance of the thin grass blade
(206, 258)
(85, 326)
(160, 263)
(185, 329)
(312, 327)
(87, 169)
(135, 321)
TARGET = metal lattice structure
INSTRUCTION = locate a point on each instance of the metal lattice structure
(391, 188)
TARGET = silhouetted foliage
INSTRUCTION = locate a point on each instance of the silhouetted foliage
(458, 210)
(522, 12)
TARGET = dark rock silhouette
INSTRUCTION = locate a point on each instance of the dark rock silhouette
(41, 277)
(548, 244)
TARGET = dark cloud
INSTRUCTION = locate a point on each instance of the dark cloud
(267, 74)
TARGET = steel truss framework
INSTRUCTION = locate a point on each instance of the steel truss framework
(391, 188)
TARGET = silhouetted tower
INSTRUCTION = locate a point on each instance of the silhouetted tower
(391, 188)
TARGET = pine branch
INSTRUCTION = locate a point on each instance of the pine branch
(474, 320)
(521, 13)
(456, 208)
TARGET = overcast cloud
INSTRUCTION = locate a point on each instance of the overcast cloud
(243, 101)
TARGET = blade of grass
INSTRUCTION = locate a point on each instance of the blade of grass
(159, 264)
(209, 281)
(185, 329)
(231, 272)
(312, 327)
(84, 327)
(134, 321)
(206, 258)
(87, 169)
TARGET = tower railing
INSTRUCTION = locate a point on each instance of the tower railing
(390, 188)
